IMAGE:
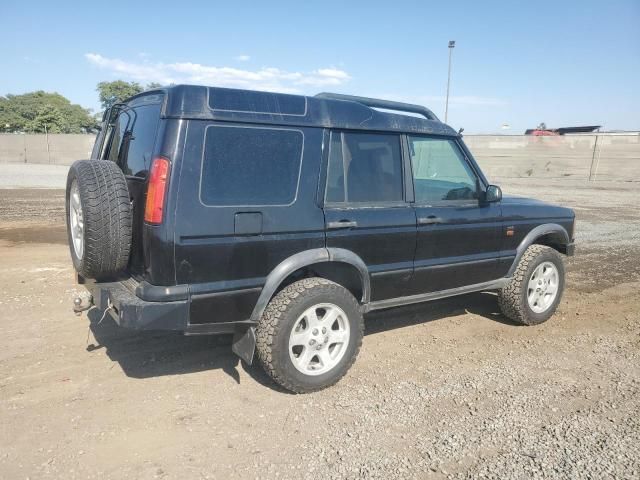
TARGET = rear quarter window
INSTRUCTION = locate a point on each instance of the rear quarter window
(250, 166)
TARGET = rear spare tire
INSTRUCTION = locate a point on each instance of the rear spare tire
(99, 218)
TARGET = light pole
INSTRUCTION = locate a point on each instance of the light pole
(452, 44)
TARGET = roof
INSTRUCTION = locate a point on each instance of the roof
(324, 110)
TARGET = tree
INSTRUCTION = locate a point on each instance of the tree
(32, 112)
(116, 91)
(119, 90)
(48, 118)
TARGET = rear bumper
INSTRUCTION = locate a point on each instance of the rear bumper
(169, 309)
(130, 311)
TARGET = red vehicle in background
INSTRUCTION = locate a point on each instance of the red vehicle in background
(542, 130)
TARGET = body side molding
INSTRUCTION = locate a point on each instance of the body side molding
(425, 297)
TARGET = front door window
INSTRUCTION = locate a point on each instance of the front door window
(441, 173)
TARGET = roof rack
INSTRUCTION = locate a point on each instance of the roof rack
(386, 104)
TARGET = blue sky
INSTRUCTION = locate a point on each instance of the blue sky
(519, 63)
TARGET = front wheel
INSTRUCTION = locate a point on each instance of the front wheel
(535, 290)
(309, 335)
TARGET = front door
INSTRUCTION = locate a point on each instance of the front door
(366, 210)
(458, 242)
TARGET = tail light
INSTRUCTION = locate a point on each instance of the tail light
(156, 191)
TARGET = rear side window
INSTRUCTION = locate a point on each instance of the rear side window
(250, 166)
(364, 168)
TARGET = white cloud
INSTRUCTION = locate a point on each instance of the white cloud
(242, 58)
(266, 78)
(325, 76)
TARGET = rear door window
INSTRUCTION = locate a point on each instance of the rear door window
(364, 168)
(117, 132)
(250, 166)
(143, 136)
(141, 124)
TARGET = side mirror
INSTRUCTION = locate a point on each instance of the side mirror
(493, 194)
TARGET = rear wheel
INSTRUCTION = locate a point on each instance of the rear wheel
(310, 335)
(99, 218)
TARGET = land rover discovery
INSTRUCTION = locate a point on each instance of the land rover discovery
(282, 219)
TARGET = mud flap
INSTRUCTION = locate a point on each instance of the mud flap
(244, 344)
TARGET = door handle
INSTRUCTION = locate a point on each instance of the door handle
(342, 224)
(430, 220)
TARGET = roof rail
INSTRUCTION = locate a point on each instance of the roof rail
(386, 104)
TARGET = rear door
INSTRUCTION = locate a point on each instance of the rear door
(458, 241)
(247, 201)
(367, 210)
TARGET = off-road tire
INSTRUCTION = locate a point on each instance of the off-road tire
(274, 328)
(512, 298)
(107, 215)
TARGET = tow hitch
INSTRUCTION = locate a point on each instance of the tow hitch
(82, 303)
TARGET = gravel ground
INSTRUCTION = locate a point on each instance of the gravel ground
(449, 389)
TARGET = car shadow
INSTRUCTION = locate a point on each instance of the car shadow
(483, 304)
(146, 354)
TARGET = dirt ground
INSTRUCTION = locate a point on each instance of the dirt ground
(449, 389)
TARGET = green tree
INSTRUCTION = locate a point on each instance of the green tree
(116, 91)
(119, 90)
(48, 118)
(33, 111)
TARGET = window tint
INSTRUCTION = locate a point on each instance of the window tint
(117, 134)
(142, 140)
(105, 141)
(364, 168)
(335, 170)
(250, 166)
(258, 102)
(440, 171)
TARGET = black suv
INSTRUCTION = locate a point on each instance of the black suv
(283, 219)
